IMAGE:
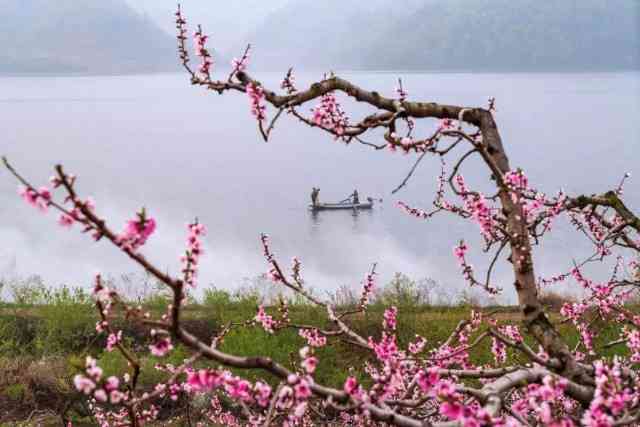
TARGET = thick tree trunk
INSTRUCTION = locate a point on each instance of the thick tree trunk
(534, 317)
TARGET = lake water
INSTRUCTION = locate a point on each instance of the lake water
(181, 152)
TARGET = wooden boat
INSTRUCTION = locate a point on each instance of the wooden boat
(339, 206)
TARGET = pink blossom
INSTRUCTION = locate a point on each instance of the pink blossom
(191, 258)
(386, 350)
(417, 346)
(453, 410)
(66, 220)
(40, 199)
(350, 386)
(309, 364)
(367, 289)
(206, 61)
(240, 64)
(101, 325)
(100, 395)
(136, 232)
(265, 320)
(83, 384)
(161, 347)
(203, 379)
(112, 383)
(256, 98)
(479, 209)
(274, 272)
(302, 390)
(633, 342)
(517, 180)
(445, 124)
(288, 83)
(92, 369)
(299, 410)
(239, 389)
(28, 195)
(116, 396)
(499, 351)
(314, 337)
(390, 321)
(427, 380)
(329, 115)
(113, 340)
(263, 393)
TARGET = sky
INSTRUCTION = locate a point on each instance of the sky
(227, 21)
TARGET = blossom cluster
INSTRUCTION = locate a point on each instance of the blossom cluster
(498, 347)
(162, 343)
(407, 143)
(191, 258)
(288, 83)
(93, 384)
(390, 318)
(545, 402)
(255, 92)
(136, 231)
(206, 61)
(613, 395)
(274, 271)
(42, 199)
(240, 64)
(268, 323)
(479, 209)
(112, 340)
(330, 116)
(367, 289)
(314, 337)
(633, 342)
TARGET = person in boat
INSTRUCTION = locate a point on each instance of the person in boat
(314, 196)
(355, 198)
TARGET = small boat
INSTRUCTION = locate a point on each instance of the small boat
(337, 206)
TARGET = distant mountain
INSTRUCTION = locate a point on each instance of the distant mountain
(323, 34)
(88, 36)
(514, 35)
(119, 36)
(471, 35)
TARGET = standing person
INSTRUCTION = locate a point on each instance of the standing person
(356, 199)
(314, 196)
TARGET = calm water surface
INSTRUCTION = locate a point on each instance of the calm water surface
(181, 152)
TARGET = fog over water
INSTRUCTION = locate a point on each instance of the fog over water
(153, 140)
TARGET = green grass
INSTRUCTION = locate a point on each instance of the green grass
(65, 329)
(15, 392)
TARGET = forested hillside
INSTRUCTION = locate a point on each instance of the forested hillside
(455, 35)
(96, 36)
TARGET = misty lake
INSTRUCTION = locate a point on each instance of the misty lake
(181, 152)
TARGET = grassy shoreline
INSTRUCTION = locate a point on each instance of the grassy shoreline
(43, 346)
